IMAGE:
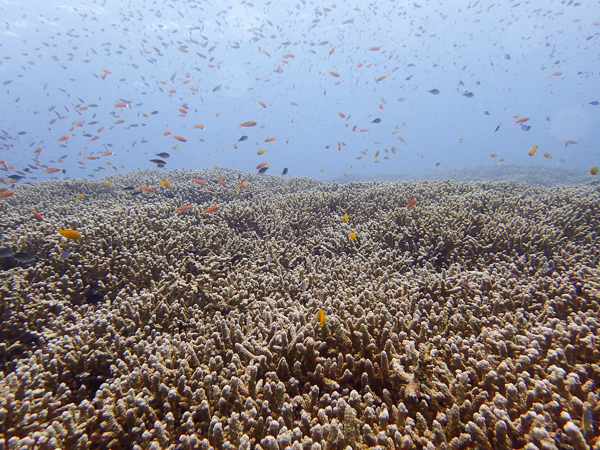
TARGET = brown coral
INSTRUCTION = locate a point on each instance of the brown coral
(470, 320)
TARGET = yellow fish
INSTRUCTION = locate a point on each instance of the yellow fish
(352, 235)
(321, 317)
(532, 150)
(262, 151)
(547, 155)
(80, 197)
(345, 218)
(108, 184)
(165, 183)
(69, 234)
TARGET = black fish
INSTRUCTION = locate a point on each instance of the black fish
(128, 188)
(263, 169)
(595, 103)
(243, 138)
(15, 177)
(434, 91)
(468, 94)
(6, 252)
(376, 120)
(285, 171)
(525, 127)
(23, 257)
(163, 155)
(157, 161)
(497, 128)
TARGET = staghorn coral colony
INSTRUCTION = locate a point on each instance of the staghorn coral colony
(470, 320)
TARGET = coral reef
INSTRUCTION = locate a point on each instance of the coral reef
(470, 320)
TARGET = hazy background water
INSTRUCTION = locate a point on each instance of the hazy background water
(222, 58)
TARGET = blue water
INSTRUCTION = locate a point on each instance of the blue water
(222, 58)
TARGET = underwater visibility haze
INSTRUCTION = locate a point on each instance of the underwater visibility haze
(336, 88)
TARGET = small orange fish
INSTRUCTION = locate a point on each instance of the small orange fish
(37, 215)
(211, 209)
(524, 119)
(270, 139)
(242, 185)
(122, 105)
(247, 124)
(411, 203)
(119, 122)
(373, 49)
(90, 157)
(147, 189)
(196, 180)
(556, 74)
(381, 78)
(94, 138)
(69, 234)
(222, 182)
(261, 165)
(180, 139)
(52, 170)
(6, 194)
(200, 127)
(262, 104)
(334, 74)
(184, 208)
(342, 115)
(38, 150)
(332, 50)
(64, 138)
(166, 133)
